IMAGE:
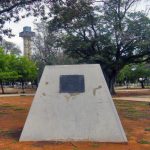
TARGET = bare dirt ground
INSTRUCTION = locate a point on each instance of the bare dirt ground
(132, 92)
(133, 95)
(135, 117)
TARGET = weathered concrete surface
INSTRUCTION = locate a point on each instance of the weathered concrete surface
(88, 116)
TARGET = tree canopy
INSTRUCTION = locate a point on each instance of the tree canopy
(108, 34)
(6, 72)
(10, 47)
(134, 73)
(16, 68)
(46, 48)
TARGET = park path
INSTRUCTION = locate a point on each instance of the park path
(130, 98)
(14, 95)
(134, 98)
(142, 95)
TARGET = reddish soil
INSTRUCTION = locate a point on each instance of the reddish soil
(132, 92)
(14, 110)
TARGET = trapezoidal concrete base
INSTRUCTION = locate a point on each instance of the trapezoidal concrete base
(85, 113)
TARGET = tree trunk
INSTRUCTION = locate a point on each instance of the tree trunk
(127, 84)
(3, 92)
(142, 85)
(13, 84)
(110, 82)
(111, 85)
(22, 83)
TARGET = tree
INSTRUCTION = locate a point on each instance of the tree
(26, 69)
(142, 73)
(11, 48)
(16, 68)
(126, 75)
(134, 73)
(45, 43)
(108, 34)
(6, 71)
(47, 50)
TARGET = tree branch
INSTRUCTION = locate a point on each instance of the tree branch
(16, 5)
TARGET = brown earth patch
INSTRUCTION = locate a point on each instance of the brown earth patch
(132, 92)
(135, 117)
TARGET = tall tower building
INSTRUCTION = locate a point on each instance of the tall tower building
(27, 34)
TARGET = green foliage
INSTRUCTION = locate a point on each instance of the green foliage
(107, 34)
(8, 76)
(26, 69)
(7, 73)
(144, 141)
(147, 129)
(2, 59)
(133, 72)
(16, 68)
(125, 73)
(13, 68)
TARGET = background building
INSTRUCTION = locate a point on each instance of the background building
(27, 34)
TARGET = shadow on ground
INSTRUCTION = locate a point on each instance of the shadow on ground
(11, 134)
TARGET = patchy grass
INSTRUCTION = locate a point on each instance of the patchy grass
(1, 131)
(19, 109)
(3, 113)
(5, 109)
(6, 133)
(130, 109)
(75, 148)
(14, 134)
(147, 129)
(8, 107)
(22, 95)
(95, 145)
(144, 142)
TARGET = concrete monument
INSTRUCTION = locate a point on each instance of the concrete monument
(73, 103)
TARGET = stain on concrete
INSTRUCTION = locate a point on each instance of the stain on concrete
(67, 97)
(95, 89)
(71, 96)
(46, 83)
(43, 94)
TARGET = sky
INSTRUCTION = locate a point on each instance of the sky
(18, 27)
